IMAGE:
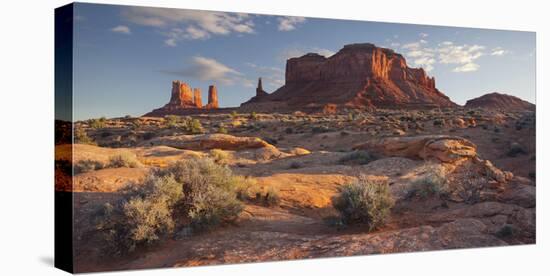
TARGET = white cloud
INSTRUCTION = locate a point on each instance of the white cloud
(468, 67)
(272, 77)
(288, 23)
(209, 69)
(121, 29)
(189, 24)
(424, 35)
(464, 55)
(498, 51)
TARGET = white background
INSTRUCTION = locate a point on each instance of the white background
(26, 137)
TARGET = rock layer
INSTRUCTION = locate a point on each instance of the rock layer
(359, 76)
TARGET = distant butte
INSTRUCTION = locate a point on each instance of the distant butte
(185, 100)
(498, 101)
(359, 76)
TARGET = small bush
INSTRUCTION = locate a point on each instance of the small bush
(222, 130)
(359, 157)
(124, 159)
(365, 201)
(87, 165)
(433, 183)
(197, 189)
(253, 115)
(515, 150)
(289, 130)
(296, 165)
(98, 123)
(209, 189)
(272, 197)
(505, 231)
(81, 137)
(142, 218)
(219, 156)
(234, 114)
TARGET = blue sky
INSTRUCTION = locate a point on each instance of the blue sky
(126, 57)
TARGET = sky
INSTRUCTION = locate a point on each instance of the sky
(126, 57)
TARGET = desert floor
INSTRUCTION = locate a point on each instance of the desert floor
(303, 158)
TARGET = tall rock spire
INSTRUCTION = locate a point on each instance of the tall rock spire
(212, 97)
(197, 98)
(259, 90)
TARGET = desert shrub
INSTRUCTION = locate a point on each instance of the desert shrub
(247, 189)
(470, 188)
(296, 165)
(432, 183)
(359, 157)
(124, 159)
(350, 117)
(219, 156)
(171, 121)
(289, 130)
(198, 191)
(98, 123)
(81, 137)
(320, 129)
(209, 189)
(515, 150)
(222, 129)
(143, 217)
(364, 201)
(272, 197)
(438, 122)
(87, 165)
(187, 124)
(234, 114)
(193, 126)
(505, 231)
(253, 115)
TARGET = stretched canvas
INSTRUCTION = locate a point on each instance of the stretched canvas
(190, 137)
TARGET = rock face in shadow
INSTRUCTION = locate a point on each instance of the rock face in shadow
(500, 102)
(360, 76)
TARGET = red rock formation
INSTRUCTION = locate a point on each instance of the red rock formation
(358, 76)
(181, 94)
(197, 97)
(212, 97)
(500, 101)
(184, 100)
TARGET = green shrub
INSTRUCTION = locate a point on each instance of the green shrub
(124, 159)
(87, 165)
(219, 156)
(222, 129)
(195, 190)
(253, 115)
(272, 197)
(432, 183)
(187, 124)
(364, 201)
(209, 189)
(143, 217)
(98, 123)
(359, 157)
(234, 114)
(81, 137)
(171, 121)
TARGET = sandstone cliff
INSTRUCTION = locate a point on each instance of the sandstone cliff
(359, 76)
(500, 101)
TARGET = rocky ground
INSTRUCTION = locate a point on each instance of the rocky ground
(488, 158)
